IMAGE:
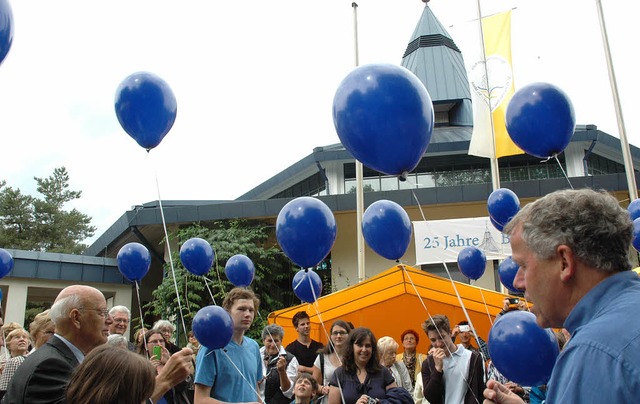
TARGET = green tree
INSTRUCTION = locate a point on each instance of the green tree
(43, 224)
(272, 281)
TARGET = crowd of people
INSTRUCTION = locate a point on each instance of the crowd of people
(572, 249)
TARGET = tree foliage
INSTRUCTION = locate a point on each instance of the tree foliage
(43, 224)
(272, 282)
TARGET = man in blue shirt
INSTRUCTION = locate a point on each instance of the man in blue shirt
(572, 248)
(231, 374)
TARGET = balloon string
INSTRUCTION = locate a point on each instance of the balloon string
(466, 314)
(173, 272)
(224, 351)
(555, 156)
(206, 283)
(486, 307)
(419, 205)
(144, 336)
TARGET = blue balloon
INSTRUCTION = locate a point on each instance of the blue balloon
(384, 116)
(6, 29)
(472, 262)
(507, 271)
(386, 228)
(636, 234)
(307, 285)
(197, 255)
(146, 108)
(134, 261)
(6, 262)
(540, 119)
(240, 270)
(522, 351)
(213, 327)
(634, 209)
(502, 204)
(306, 231)
(496, 224)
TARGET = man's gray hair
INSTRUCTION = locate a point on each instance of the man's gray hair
(118, 340)
(163, 324)
(592, 223)
(273, 330)
(120, 309)
(60, 310)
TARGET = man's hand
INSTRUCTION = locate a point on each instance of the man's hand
(500, 394)
(177, 368)
(438, 358)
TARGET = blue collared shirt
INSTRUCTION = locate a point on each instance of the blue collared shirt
(601, 361)
(76, 352)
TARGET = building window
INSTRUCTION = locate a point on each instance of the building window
(598, 165)
(311, 186)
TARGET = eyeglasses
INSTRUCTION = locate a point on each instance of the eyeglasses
(104, 313)
(121, 320)
(339, 333)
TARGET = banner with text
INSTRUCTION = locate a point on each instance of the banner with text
(440, 241)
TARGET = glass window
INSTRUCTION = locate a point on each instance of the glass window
(389, 183)
(426, 181)
(371, 184)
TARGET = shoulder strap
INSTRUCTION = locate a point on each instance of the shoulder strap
(322, 367)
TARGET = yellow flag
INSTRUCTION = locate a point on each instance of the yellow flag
(491, 82)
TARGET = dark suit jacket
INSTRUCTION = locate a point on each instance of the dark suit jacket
(43, 376)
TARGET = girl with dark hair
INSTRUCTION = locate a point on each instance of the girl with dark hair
(361, 379)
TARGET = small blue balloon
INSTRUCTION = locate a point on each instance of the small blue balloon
(197, 255)
(386, 228)
(540, 119)
(6, 262)
(146, 108)
(383, 115)
(502, 204)
(634, 209)
(307, 285)
(6, 29)
(306, 231)
(134, 261)
(472, 262)
(213, 327)
(514, 340)
(507, 271)
(240, 270)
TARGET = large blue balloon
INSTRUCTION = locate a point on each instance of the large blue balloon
(522, 351)
(384, 116)
(134, 261)
(495, 224)
(507, 271)
(213, 327)
(307, 285)
(6, 29)
(540, 119)
(306, 231)
(6, 262)
(634, 209)
(636, 234)
(197, 255)
(240, 270)
(146, 108)
(472, 262)
(502, 204)
(386, 228)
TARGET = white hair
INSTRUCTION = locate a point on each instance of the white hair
(120, 309)
(118, 340)
(163, 324)
(61, 309)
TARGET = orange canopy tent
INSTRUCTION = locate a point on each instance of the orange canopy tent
(390, 303)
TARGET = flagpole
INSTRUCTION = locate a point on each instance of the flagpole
(493, 160)
(626, 152)
(359, 171)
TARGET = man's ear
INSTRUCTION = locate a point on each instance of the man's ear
(74, 316)
(568, 261)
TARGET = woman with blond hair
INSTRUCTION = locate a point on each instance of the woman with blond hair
(41, 329)
(111, 375)
(17, 343)
(388, 349)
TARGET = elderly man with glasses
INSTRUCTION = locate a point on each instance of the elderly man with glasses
(120, 316)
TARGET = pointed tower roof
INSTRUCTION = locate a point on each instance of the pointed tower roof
(434, 57)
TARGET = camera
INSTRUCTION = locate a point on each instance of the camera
(514, 300)
(371, 400)
(464, 328)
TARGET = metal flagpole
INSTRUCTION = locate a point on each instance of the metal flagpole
(359, 174)
(626, 152)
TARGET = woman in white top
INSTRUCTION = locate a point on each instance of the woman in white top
(329, 357)
(387, 351)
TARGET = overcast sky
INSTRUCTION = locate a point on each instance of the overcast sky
(254, 82)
